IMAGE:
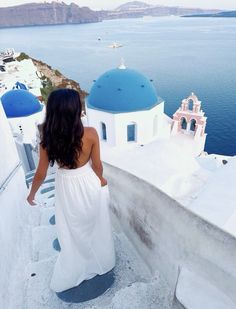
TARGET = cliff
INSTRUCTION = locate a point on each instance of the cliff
(55, 13)
(46, 14)
(53, 79)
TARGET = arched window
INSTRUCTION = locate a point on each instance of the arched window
(190, 104)
(193, 125)
(183, 123)
(104, 131)
(155, 125)
(131, 132)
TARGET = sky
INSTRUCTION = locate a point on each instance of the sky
(108, 4)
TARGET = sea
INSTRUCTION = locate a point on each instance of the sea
(180, 55)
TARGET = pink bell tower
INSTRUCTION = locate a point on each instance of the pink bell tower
(190, 120)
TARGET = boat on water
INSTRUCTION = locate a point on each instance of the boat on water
(115, 45)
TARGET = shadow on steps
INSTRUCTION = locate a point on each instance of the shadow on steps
(88, 289)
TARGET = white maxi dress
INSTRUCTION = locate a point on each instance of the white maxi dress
(83, 228)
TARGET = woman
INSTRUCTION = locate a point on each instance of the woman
(81, 193)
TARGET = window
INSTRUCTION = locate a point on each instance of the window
(131, 132)
(183, 123)
(193, 125)
(190, 104)
(104, 131)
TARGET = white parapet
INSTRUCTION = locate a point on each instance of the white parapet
(12, 211)
(171, 237)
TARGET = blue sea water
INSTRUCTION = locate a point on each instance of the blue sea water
(181, 55)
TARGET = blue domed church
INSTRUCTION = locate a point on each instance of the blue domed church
(24, 113)
(124, 107)
(20, 103)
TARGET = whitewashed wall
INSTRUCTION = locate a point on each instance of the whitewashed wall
(8, 157)
(12, 201)
(171, 238)
(116, 124)
(95, 118)
(27, 126)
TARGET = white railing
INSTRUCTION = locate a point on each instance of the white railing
(5, 183)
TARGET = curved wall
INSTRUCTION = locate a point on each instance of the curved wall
(8, 153)
(12, 201)
(168, 236)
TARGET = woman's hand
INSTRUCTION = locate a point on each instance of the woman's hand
(39, 175)
(103, 182)
(30, 200)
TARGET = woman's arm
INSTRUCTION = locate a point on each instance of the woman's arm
(39, 175)
(95, 157)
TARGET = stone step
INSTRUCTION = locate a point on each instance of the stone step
(43, 237)
(129, 270)
(195, 292)
(47, 193)
(47, 189)
(46, 200)
(46, 214)
(141, 295)
(30, 176)
(133, 287)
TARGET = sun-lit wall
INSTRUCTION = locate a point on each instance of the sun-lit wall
(171, 238)
(12, 211)
(148, 125)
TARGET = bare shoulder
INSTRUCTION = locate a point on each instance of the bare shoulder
(90, 133)
(43, 152)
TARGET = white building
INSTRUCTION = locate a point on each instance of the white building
(124, 107)
(24, 113)
(23, 72)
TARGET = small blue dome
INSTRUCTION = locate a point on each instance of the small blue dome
(20, 103)
(121, 91)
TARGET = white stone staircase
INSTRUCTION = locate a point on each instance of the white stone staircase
(134, 288)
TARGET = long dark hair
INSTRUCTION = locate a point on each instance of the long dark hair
(62, 129)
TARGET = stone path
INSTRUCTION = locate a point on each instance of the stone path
(129, 285)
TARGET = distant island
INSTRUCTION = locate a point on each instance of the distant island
(136, 9)
(221, 14)
(59, 13)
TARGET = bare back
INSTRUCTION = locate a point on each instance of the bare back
(91, 151)
(90, 148)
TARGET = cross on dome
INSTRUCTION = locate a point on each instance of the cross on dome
(122, 64)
